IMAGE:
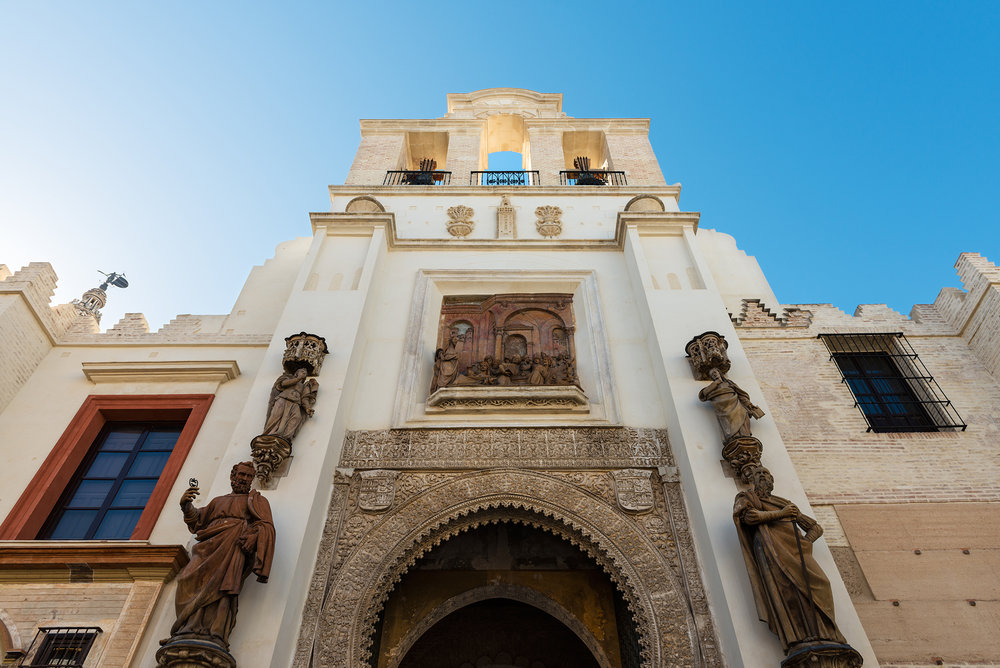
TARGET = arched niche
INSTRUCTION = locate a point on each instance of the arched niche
(364, 204)
(645, 203)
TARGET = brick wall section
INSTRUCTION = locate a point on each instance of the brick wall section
(844, 468)
(123, 644)
(376, 155)
(131, 323)
(633, 154)
(546, 154)
(975, 312)
(463, 155)
(121, 610)
(24, 301)
(824, 432)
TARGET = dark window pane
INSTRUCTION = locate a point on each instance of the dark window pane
(107, 465)
(133, 493)
(122, 438)
(73, 525)
(161, 439)
(91, 494)
(148, 464)
(118, 524)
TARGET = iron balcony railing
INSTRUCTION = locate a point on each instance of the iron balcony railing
(593, 177)
(508, 178)
(416, 177)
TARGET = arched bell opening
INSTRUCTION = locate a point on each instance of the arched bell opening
(505, 593)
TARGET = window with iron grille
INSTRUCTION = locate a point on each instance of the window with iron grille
(59, 647)
(891, 386)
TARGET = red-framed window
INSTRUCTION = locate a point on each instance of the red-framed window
(72, 456)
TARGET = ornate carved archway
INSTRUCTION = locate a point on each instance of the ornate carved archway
(372, 551)
(512, 592)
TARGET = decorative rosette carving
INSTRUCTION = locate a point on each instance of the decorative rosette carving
(460, 221)
(549, 221)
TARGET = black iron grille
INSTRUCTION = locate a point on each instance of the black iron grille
(508, 178)
(416, 177)
(593, 177)
(60, 647)
(891, 386)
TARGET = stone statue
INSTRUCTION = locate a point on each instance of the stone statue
(292, 399)
(235, 536)
(792, 593)
(446, 363)
(732, 405)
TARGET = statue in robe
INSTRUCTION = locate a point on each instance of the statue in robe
(235, 536)
(446, 363)
(291, 402)
(790, 590)
(732, 405)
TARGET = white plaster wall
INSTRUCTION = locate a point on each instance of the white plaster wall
(425, 216)
(41, 411)
(736, 274)
(262, 298)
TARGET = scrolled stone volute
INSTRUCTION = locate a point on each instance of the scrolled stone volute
(708, 351)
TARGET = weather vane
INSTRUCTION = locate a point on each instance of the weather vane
(94, 299)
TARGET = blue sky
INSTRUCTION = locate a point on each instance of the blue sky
(850, 147)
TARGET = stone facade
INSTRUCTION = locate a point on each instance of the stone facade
(601, 501)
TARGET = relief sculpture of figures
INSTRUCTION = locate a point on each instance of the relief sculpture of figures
(791, 592)
(732, 405)
(235, 537)
(506, 340)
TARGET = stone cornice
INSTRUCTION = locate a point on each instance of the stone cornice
(673, 191)
(39, 561)
(658, 223)
(395, 126)
(218, 371)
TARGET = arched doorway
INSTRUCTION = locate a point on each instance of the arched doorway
(499, 632)
(505, 592)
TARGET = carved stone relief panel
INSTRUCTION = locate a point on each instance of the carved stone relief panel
(505, 340)
(378, 488)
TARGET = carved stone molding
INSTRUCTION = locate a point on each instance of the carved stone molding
(217, 371)
(549, 223)
(194, 654)
(506, 215)
(477, 399)
(823, 655)
(460, 222)
(364, 555)
(536, 448)
(743, 454)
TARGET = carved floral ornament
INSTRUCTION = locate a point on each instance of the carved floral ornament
(460, 222)
(549, 223)
(363, 556)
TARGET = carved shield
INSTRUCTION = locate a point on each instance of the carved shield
(633, 489)
(378, 489)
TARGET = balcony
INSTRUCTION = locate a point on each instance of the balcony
(416, 177)
(507, 178)
(595, 177)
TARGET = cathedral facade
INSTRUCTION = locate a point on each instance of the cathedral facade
(529, 418)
